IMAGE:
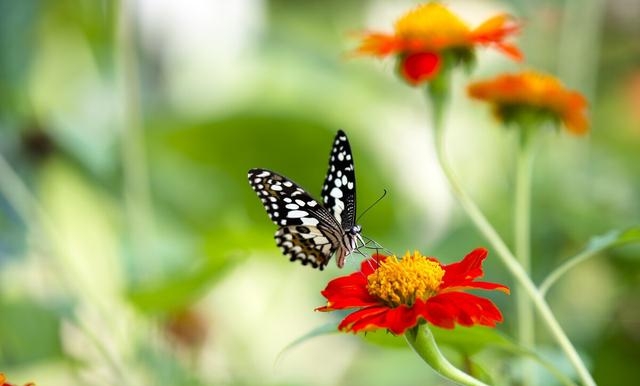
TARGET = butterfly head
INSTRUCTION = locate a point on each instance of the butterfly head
(355, 230)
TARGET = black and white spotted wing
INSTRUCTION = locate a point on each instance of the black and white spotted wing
(339, 189)
(311, 232)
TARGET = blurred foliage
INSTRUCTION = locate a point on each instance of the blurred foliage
(96, 277)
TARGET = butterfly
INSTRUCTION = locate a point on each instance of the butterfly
(310, 231)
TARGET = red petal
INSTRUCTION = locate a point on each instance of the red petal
(397, 320)
(445, 309)
(485, 285)
(347, 292)
(366, 319)
(464, 271)
(419, 67)
(369, 266)
(401, 318)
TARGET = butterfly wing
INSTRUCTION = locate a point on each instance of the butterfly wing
(308, 231)
(309, 244)
(339, 189)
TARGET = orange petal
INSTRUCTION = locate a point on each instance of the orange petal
(379, 44)
(495, 29)
(511, 51)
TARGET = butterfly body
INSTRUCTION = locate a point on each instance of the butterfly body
(309, 231)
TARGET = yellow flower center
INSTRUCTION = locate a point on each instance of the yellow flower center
(435, 22)
(403, 281)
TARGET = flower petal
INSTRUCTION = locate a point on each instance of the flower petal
(369, 266)
(419, 67)
(347, 292)
(484, 285)
(397, 320)
(365, 319)
(446, 309)
(464, 271)
(379, 44)
(494, 31)
(535, 94)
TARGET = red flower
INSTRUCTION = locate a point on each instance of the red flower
(398, 294)
(423, 35)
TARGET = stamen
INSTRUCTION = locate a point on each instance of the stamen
(403, 281)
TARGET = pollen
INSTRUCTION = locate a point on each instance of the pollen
(403, 281)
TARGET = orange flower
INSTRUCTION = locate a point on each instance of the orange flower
(3, 381)
(423, 35)
(533, 94)
(397, 294)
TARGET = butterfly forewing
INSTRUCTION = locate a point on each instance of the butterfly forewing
(339, 189)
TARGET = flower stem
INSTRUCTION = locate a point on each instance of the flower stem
(422, 342)
(507, 257)
(522, 223)
(566, 267)
(137, 195)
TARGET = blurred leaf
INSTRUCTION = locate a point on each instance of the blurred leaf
(202, 168)
(470, 340)
(180, 290)
(325, 329)
(17, 32)
(28, 333)
(95, 20)
(164, 369)
(385, 339)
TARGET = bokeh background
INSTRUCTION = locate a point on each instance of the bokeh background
(133, 252)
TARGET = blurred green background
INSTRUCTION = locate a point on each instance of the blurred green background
(133, 251)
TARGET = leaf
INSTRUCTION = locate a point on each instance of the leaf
(385, 339)
(324, 329)
(24, 319)
(470, 340)
(614, 238)
(179, 290)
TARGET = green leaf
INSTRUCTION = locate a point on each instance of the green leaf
(29, 333)
(385, 339)
(324, 329)
(597, 244)
(470, 340)
(614, 238)
(180, 290)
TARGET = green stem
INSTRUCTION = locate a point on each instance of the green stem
(135, 172)
(522, 223)
(422, 342)
(596, 245)
(566, 267)
(508, 259)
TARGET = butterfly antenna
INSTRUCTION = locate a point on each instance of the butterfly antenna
(372, 205)
(372, 244)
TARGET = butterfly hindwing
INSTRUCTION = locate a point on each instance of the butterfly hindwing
(306, 243)
(339, 189)
(308, 231)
